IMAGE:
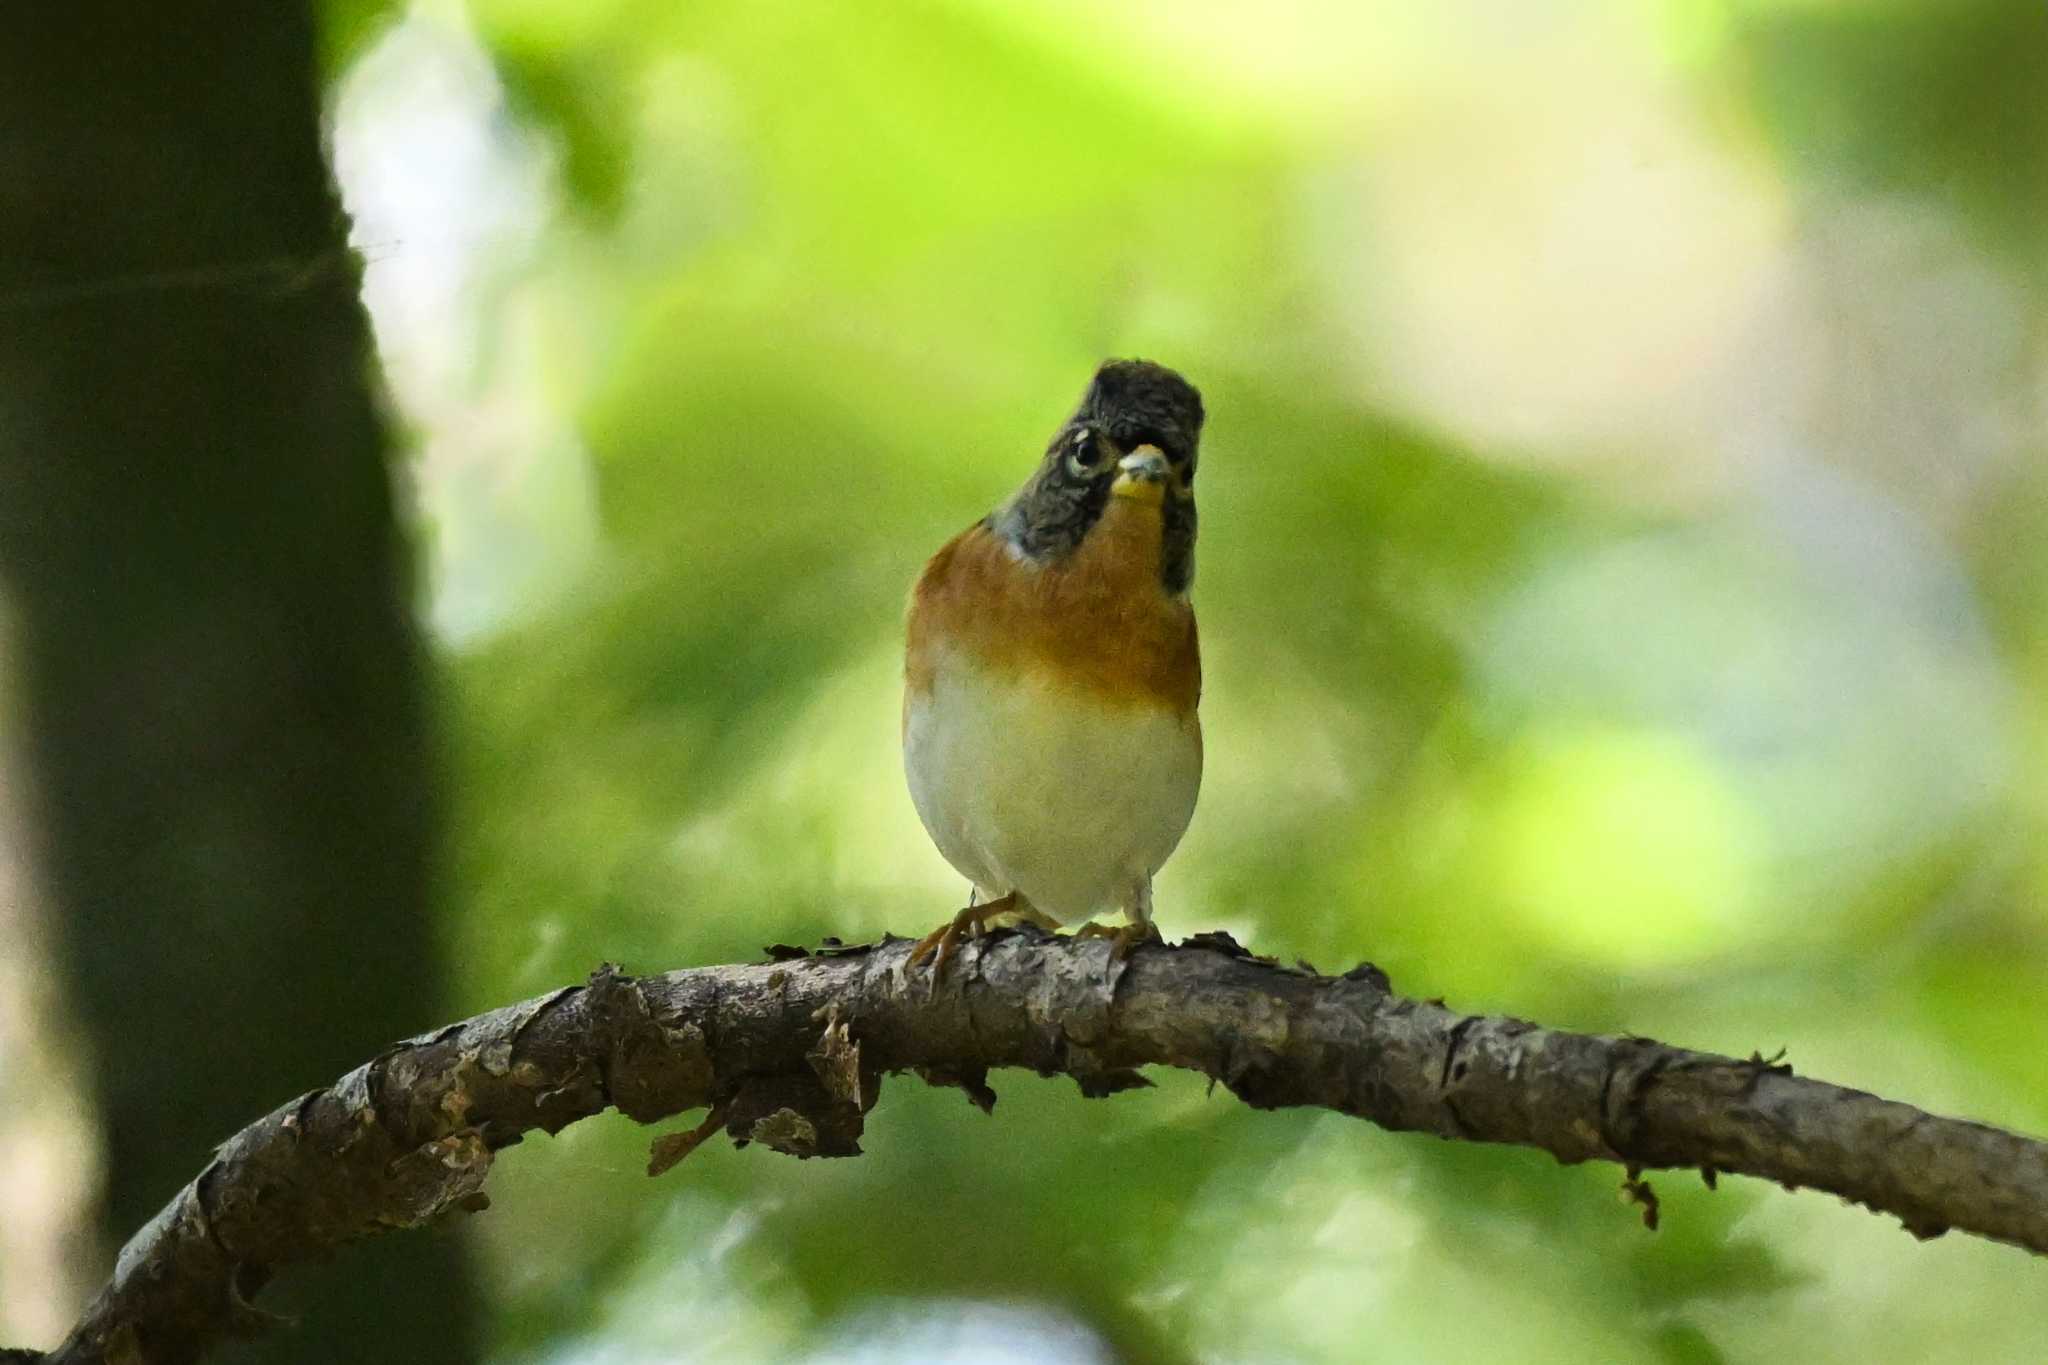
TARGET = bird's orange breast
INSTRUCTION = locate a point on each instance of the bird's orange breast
(1100, 621)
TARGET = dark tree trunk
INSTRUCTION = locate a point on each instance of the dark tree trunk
(222, 691)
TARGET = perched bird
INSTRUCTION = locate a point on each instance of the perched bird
(1052, 672)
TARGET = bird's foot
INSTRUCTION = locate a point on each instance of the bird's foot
(1026, 913)
(941, 943)
(1121, 939)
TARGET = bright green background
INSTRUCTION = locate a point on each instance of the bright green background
(1622, 587)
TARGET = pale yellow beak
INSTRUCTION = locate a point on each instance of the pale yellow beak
(1143, 474)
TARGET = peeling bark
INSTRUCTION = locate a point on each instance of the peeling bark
(790, 1054)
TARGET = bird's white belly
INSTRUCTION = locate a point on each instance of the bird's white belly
(1067, 799)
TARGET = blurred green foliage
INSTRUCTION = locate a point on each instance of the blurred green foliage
(1737, 740)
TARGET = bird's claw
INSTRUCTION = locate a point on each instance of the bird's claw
(1122, 938)
(943, 942)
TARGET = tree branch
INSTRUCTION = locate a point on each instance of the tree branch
(790, 1054)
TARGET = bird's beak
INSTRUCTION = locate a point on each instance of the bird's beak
(1142, 474)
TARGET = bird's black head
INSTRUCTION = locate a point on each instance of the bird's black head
(1136, 403)
(1136, 433)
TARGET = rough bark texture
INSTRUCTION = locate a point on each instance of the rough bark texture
(791, 1053)
(223, 708)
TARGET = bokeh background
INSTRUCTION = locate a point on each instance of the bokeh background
(1623, 580)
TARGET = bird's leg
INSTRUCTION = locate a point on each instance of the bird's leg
(944, 941)
(1122, 938)
(1139, 930)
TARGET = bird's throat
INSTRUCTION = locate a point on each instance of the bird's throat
(1122, 552)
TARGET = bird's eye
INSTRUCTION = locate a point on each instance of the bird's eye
(1087, 453)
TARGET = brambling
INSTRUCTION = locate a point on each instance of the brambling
(1052, 672)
